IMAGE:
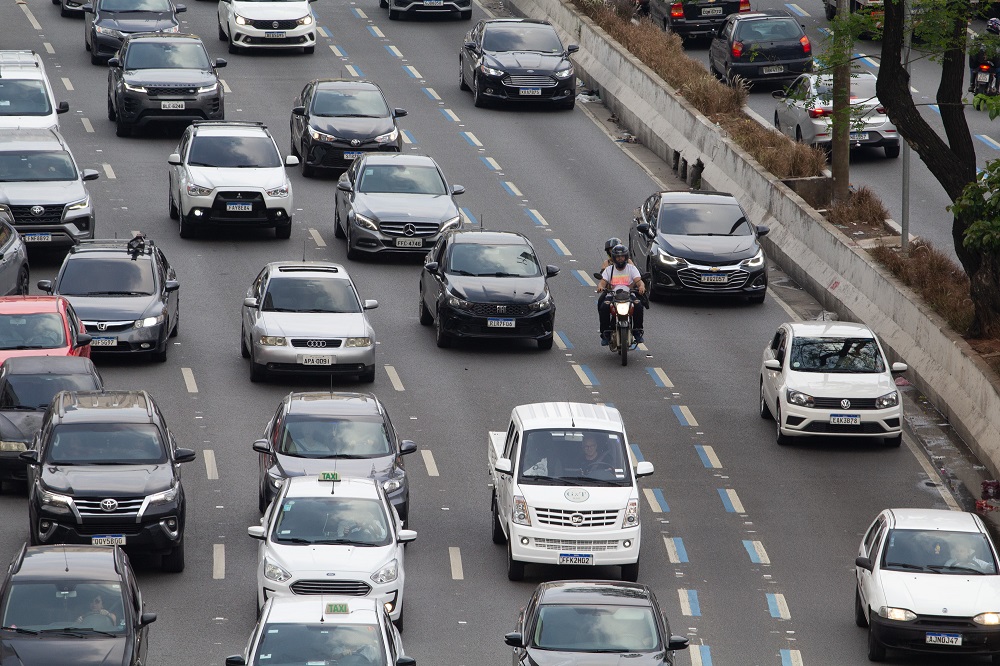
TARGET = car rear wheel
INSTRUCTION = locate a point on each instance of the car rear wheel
(777, 122)
(258, 373)
(177, 321)
(122, 128)
(352, 253)
(393, 14)
(283, 231)
(368, 376)
(892, 152)
(172, 208)
(160, 355)
(477, 96)
(111, 110)
(222, 34)
(545, 344)
(338, 229)
(830, 10)
(757, 299)
(383, 4)
(467, 15)
(23, 282)
(308, 50)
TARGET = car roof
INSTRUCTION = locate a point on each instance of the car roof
(48, 365)
(326, 269)
(311, 486)
(522, 21)
(229, 128)
(32, 139)
(399, 158)
(77, 562)
(577, 592)
(935, 519)
(311, 610)
(104, 406)
(830, 329)
(547, 415)
(161, 37)
(345, 84)
(699, 197)
(333, 404)
(488, 237)
(29, 304)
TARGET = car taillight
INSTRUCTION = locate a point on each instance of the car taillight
(880, 110)
(737, 49)
(806, 46)
(819, 112)
(744, 5)
(677, 10)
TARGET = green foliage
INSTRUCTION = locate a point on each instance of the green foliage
(980, 205)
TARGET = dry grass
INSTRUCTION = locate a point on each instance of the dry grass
(775, 152)
(863, 207)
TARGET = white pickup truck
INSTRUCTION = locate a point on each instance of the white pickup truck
(564, 488)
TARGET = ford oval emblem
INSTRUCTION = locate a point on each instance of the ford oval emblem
(576, 494)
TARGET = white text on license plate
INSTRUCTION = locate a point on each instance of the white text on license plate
(772, 69)
(576, 558)
(239, 207)
(845, 419)
(104, 342)
(171, 105)
(274, 35)
(983, 77)
(36, 238)
(353, 154)
(859, 136)
(531, 91)
(711, 11)
(943, 639)
(493, 322)
(433, 3)
(108, 540)
(312, 359)
(409, 242)
(714, 278)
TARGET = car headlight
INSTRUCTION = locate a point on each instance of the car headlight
(196, 190)
(13, 446)
(175, 28)
(358, 342)
(543, 303)
(897, 614)
(210, 88)
(988, 619)
(273, 572)
(386, 574)
(453, 222)
(150, 321)
(240, 20)
(272, 340)
(520, 513)
(305, 20)
(279, 191)
(110, 32)
(756, 261)
(800, 399)
(365, 222)
(166, 497)
(138, 89)
(386, 138)
(631, 518)
(565, 73)
(392, 485)
(79, 205)
(489, 71)
(459, 303)
(321, 136)
(56, 501)
(887, 400)
(670, 260)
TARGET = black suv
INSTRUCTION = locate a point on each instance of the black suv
(156, 77)
(125, 292)
(79, 600)
(105, 470)
(27, 386)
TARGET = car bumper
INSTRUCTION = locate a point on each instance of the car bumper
(68, 233)
(868, 138)
(331, 155)
(344, 360)
(696, 28)
(545, 546)
(75, 6)
(153, 534)
(127, 341)
(912, 636)
(105, 46)
(389, 593)
(496, 89)
(212, 210)
(300, 37)
(364, 239)
(696, 278)
(801, 421)
(428, 7)
(755, 71)
(463, 324)
(139, 109)
(12, 468)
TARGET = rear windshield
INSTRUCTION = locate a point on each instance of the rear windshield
(36, 166)
(160, 55)
(862, 88)
(574, 457)
(769, 30)
(37, 391)
(105, 443)
(94, 276)
(234, 152)
(524, 37)
(24, 98)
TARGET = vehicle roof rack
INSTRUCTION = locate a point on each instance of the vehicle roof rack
(228, 123)
(20, 59)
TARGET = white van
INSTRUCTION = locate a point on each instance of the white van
(26, 99)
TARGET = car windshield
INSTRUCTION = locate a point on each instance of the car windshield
(297, 644)
(136, 6)
(102, 276)
(957, 553)
(574, 457)
(492, 260)
(862, 88)
(768, 30)
(568, 628)
(401, 179)
(327, 437)
(72, 605)
(836, 355)
(365, 102)
(300, 294)
(331, 519)
(163, 55)
(36, 166)
(521, 37)
(702, 220)
(37, 391)
(105, 443)
(21, 97)
(44, 330)
(234, 152)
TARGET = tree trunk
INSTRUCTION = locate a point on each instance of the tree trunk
(985, 292)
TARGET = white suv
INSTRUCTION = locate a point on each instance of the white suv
(25, 92)
(274, 24)
(228, 173)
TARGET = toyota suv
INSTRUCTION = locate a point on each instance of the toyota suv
(25, 92)
(42, 189)
(105, 470)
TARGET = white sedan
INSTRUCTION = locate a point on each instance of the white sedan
(332, 537)
(830, 378)
(927, 581)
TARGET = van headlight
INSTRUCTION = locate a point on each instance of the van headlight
(386, 574)
(756, 261)
(631, 518)
(520, 513)
(887, 400)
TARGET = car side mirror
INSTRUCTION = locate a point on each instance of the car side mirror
(45, 285)
(184, 455)
(172, 285)
(262, 446)
(83, 339)
(778, 94)
(644, 468)
(398, 113)
(250, 303)
(900, 367)
(863, 562)
(572, 48)
(457, 189)
(291, 160)
(236, 659)
(406, 536)
(256, 532)
(179, 9)
(370, 304)
(147, 618)
(503, 466)
(219, 63)
(470, 45)
(90, 174)
(514, 639)
(345, 186)
(677, 643)
(87, 8)
(642, 227)
(432, 266)
(30, 456)
(173, 158)
(772, 364)
(763, 230)
(114, 62)
(551, 271)
(407, 446)
(298, 110)
(62, 107)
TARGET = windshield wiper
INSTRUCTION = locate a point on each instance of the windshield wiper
(956, 567)
(501, 274)
(92, 631)
(343, 542)
(30, 347)
(19, 630)
(592, 481)
(28, 408)
(272, 309)
(292, 540)
(114, 293)
(561, 480)
(354, 115)
(457, 272)
(907, 565)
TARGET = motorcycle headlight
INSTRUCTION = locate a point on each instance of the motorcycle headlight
(756, 261)
(520, 513)
(272, 340)
(79, 205)
(175, 28)
(386, 138)
(166, 497)
(453, 222)
(897, 614)
(800, 399)
(196, 190)
(459, 303)
(358, 342)
(623, 308)
(988, 619)
(13, 446)
(321, 136)
(631, 518)
(386, 574)
(138, 89)
(110, 32)
(543, 303)
(887, 400)
(565, 73)
(489, 71)
(365, 222)
(305, 20)
(208, 89)
(150, 321)
(670, 260)
(273, 572)
(240, 20)
(279, 191)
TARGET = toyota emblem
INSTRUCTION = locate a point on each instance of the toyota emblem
(409, 229)
(102, 326)
(576, 519)
(37, 210)
(109, 504)
(274, 24)
(355, 142)
(316, 344)
(845, 403)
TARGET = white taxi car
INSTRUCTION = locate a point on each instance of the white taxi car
(323, 630)
(325, 535)
(830, 378)
(272, 24)
(927, 581)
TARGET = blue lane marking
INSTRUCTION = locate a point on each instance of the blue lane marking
(388, 48)
(489, 166)
(656, 378)
(988, 141)
(680, 415)
(795, 10)
(748, 545)
(826, 32)
(772, 605)
(429, 95)
(555, 246)
(786, 658)
(325, 32)
(935, 109)
(444, 113)
(580, 278)
(357, 12)
(465, 135)
(682, 553)
(865, 59)
(358, 71)
(693, 603)
(409, 135)
(704, 458)
(706, 655)
(409, 72)
(565, 340)
(636, 452)
(472, 218)
(726, 502)
(534, 218)
(506, 188)
(590, 375)
(661, 500)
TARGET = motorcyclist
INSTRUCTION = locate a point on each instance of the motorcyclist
(982, 50)
(609, 245)
(621, 275)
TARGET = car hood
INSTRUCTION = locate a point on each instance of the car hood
(138, 21)
(91, 651)
(841, 385)
(599, 497)
(56, 192)
(20, 425)
(11, 353)
(538, 657)
(111, 308)
(347, 561)
(105, 480)
(169, 77)
(33, 122)
(376, 468)
(940, 594)
(352, 128)
(497, 290)
(271, 10)
(710, 249)
(264, 177)
(521, 61)
(315, 324)
(406, 207)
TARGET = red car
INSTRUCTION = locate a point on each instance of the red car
(40, 326)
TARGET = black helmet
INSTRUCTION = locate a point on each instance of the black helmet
(610, 244)
(619, 254)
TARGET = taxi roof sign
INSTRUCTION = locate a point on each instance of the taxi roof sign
(329, 476)
(337, 609)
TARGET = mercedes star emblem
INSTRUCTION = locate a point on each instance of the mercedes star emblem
(409, 229)
(845, 403)
(37, 210)
(109, 504)
(316, 344)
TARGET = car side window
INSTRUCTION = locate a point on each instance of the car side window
(441, 251)
(307, 96)
(258, 284)
(654, 211)
(276, 427)
(166, 264)
(391, 640)
(512, 438)
(5, 236)
(782, 339)
(777, 342)
(135, 595)
(352, 171)
(727, 32)
(75, 327)
(873, 532)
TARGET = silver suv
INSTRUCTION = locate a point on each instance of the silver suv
(42, 189)
(25, 92)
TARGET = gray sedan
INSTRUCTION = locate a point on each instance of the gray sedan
(392, 203)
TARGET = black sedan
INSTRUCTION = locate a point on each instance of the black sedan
(698, 242)
(335, 121)
(486, 284)
(125, 292)
(519, 60)
(593, 622)
(760, 46)
(112, 20)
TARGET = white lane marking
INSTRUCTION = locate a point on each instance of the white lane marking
(413, 71)
(192, 386)
(108, 171)
(211, 469)
(583, 275)
(406, 137)
(786, 307)
(451, 114)
(663, 377)
(86, 125)
(651, 498)
(932, 474)
(135, 233)
(378, 33)
(513, 189)
(225, 86)
(672, 553)
(67, 83)
(455, 555)
(432, 468)
(493, 163)
(560, 343)
(688, 416)
(31, 17)
(783, 611)
(397, 383)
(396, 52)
(735, 500)
(471, 138)
(758, 547)
(317, 238)
(336, 51)
(361, 14)
(685, 600)
(582, 375)
(48, 48)
(794, 658)
(219, 561)
(562, 247)
(433, 93)
(712, 457)
(350, 70)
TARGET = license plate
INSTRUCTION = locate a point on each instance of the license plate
(983, 77)
(239, 207)
(859, 136)
(274, 35)
(104, 342)
(409, 242)
(307, 359)
(353, 154)
(845, 419)
(714, 278)
(711, 11)
(531, 91)
(433, 3)
(943, 639)
(171, 105)
(772, 69)
(108, 540)
(36, 238)
(493, 322)
(576, 558)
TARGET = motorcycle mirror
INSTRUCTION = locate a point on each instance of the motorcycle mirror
(598, 276)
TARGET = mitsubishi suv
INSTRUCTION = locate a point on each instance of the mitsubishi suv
(26, 98)
(277, 24)
(105, 470)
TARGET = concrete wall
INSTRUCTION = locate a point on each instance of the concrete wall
(820, 258)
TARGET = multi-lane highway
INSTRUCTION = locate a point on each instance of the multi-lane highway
(749, 546)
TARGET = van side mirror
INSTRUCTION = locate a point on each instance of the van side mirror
(863, 562)
(644, 468)
(504, 466)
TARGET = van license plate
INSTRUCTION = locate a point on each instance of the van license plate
(859, 136)
(499, 323)
(576, 558)
(943, 639)
(274, 35)
(772, 69)
(845, 419)
(531, 91)
(104, 342)
(306, 359)
(119, 540)
(711, 11)
(172, 105)
(714, 278)
(353, 154)
(239, 207)
(409, 242)
(36, 238)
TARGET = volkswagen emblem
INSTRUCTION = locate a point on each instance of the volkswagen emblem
(102, 326)
(409, 229)
(274, 24)
(845, 403)
(37, 210)
(316, 344)
(355, 142)
(576, 494)
(109, 504)
(576, 519)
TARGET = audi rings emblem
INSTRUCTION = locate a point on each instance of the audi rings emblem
(845, 403)
(409, 229)
(355, 142)
(316, 344)
(109, 504)
(102, 326)
(274, 24)
(37, 210)
(576, 519)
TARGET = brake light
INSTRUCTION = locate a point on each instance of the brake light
(984, 66)
(806, 46)
(737, 49)
(744, 5)
(819, 112)
(677, 10)
(880, 110)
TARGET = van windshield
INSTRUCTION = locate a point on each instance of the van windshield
(574, 458)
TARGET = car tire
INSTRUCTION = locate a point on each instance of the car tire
(441, 337)
(498, 536)
(798, 134)
(515, 569)
(892, 152)
(184, 226)
(283, 231)
(781, 439)
(876, 651)
(462, 85)
(860, 616)
(630, 572)
(233, 47)
(223, 37)
(765, 411)
(383, 4)
(777, 122)
(244, 352)
(569, 104)
(33, 535)
(545, 344)
(368, 376)
(171, 208)
(258, 373)
(261, 502)
(338, 229)
(399, 621)
(307, 171)
(111, 110)
(122, 128)
(95, 59)
(467, 15)
(893, 442)
(173, 562)
(393, 14)
(477, 96)
(23, 282)
(426, 318)
(352, 253)
(86, 44)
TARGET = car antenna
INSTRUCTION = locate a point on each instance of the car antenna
(65, 559)
(304, 253)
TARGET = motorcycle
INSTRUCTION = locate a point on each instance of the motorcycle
(623, 303)
(986, 79)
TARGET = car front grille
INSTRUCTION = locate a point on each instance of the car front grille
(574, 546)
(691, 278)
(497, 309)
(834, 403)
(316, 343)
(351, 588)
(269, 24)
(109, 326)
(419, 229)
(98, 530)
(529, 80)
(565, 517)
(171, 91)
(126, 507)
(51, 214)
(258, 208)
(839, 429)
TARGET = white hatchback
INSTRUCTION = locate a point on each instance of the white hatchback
(329, 536)
(272, 24)
(830, 378)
